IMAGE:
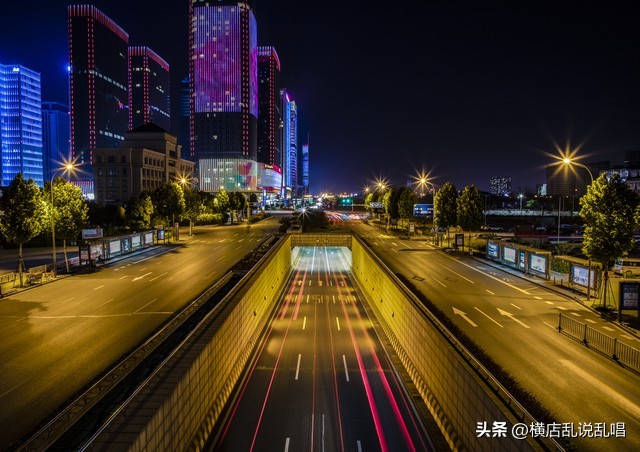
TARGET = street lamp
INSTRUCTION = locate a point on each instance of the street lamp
(521, 195)
(65, 169)
(568, 161)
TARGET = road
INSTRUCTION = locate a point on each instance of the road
(322, 380)
(514, 321)
(57, 338)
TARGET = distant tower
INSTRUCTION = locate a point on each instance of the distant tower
(56, 130)
(269, 117)
(305, 169)
(149, 99)
(500, 186)
(223, 70)
(184, 133)
(98, 54)
(20, 124)
(285, 142)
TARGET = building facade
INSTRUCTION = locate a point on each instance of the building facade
(305, 169)
(293, 149)
(224, 90)
(184, 135)
(149, 99)
(56, 131)
(20, 124)
(500, 186)
(269, 116)
(148, 157)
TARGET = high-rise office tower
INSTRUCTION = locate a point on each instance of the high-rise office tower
(285, 142)
(305, 169)
(20, 124)
(269, 117)
(293, 149)
(98, 79)
(56, 130)
(149, 99)
(223, 70)
(184, 134)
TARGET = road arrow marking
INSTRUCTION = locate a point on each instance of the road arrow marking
(477, 309)
(462, 314)
(508, 314)
(143, 276)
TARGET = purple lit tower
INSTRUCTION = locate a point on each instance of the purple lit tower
(98, 57)
(269, 116)
(223, 70)
(148, 89)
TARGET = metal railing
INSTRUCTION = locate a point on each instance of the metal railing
(602, 342)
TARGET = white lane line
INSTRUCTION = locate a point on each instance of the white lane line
(99, 287)
(576, 314)
(537, 298)
(135, 312)
(607, 328)
(108, 301)
(304, 322)
(493, 277)
(561, 308)
(307, 298)
(238, 247)
(394, 243)
(549, 302)
(394, 250)
(142, 276)
(359, 446)
(219, 259)
(123, 277)
(346, 372)
(334, 298)
(142, 269)
(549, 325)
(508, 314)
(338, 323)
(515, 306)
(456, 273)
(153, 279)
(590, 321)
(477, 309)
(68, 299)
(286, 444)
(489, 291)
(439, 282)
(298, 367)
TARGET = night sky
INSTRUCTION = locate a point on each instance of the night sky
(386, 89)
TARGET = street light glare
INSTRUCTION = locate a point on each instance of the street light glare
(566, 160)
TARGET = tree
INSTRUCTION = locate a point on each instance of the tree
(193, 207)
(168, 201)
(469, 209)
(139, 212)
(70, 210)
(609, 212)
(387, 202)
(223, 201)
(445, 209)
(406, 203)
(25, 214)
(237, 202)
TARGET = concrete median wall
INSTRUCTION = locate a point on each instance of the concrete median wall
(457, 396)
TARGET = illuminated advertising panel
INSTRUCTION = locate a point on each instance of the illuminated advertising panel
(218, 59)
(538, 263)
(423, 210)
(629, 295)
(492, 249)
(509, 254)
(579, 275)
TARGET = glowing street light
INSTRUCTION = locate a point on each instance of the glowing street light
(568, 161)
(68, 168)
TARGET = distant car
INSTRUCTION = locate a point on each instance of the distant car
(494, 228)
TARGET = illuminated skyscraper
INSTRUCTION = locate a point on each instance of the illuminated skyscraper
(184, 135)
(293, 149)
(305, 169)
(285, 142)
(20, 124)
(98, 79)
(269, 117)
(149, 99)
(223, 70)
(55, 137)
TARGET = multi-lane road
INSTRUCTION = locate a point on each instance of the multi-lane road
(322, 380)
(57, 338)
(514, 321)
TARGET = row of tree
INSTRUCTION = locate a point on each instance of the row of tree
(30, 211)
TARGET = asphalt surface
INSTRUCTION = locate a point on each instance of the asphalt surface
(322, 381)
(514, 321)
(57, 338)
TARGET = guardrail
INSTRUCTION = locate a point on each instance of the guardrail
(602, 342)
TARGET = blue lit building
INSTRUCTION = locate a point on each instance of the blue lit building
(285, 142)
(56, 132)
(223, 70)
(293, 149)
(20, 124)
(305, 169)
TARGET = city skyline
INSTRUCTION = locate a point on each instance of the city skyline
(387, 92)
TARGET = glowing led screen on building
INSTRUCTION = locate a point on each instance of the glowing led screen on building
(218, 59)
(253, 65)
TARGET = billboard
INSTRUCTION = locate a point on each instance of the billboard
(509, 254)
(492, 249)
(423, 210)
(629, 295)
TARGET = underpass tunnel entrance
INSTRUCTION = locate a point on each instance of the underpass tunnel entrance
(321, 258)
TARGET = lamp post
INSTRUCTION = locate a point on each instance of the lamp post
(67, 168)
(569, 161)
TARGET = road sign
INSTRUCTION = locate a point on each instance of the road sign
(376, 205)
(423, 210)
